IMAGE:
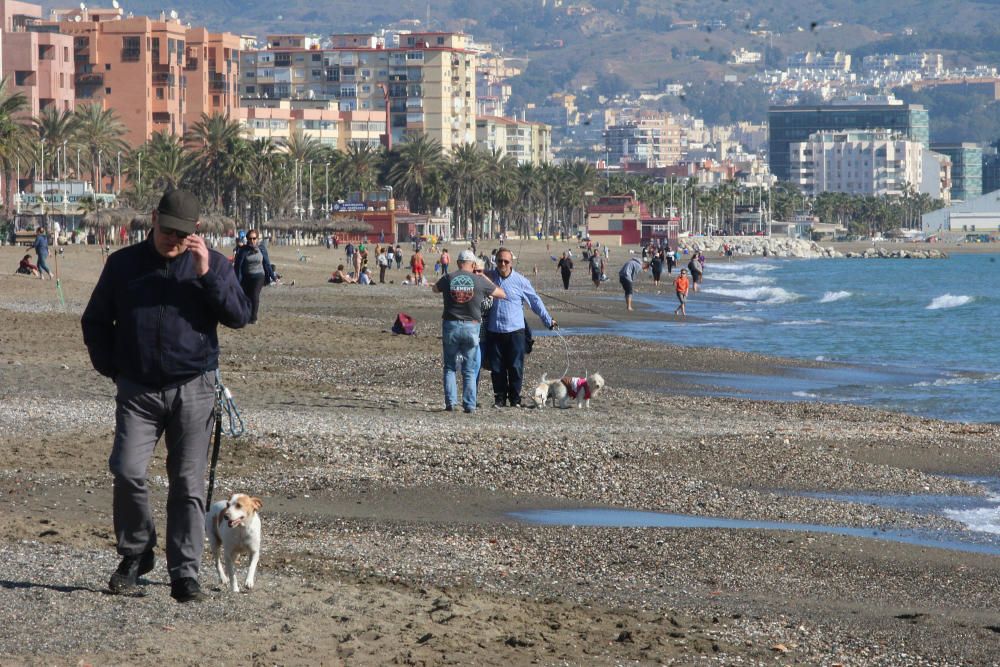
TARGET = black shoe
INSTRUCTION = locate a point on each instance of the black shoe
(448, 408)
(129, 570)
(468, 411)
(498, 404)
(186, 589)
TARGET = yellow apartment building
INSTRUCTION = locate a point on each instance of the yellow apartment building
(426, 84)
(527, 142)
(318, 119)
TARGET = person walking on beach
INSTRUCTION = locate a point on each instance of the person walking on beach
(398, 256)
(627, 275)
(596, 269)
(656, 267)
(445, 261)
(681, 287)
(417, 267)
(506, 329)
(383, 263)
(463, 293)
(695, 268)
(565, 267)
(253, 271)
(151, 326)
(41, 248)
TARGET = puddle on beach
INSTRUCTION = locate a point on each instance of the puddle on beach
(981, 515)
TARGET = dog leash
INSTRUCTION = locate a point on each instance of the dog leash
(224, 404)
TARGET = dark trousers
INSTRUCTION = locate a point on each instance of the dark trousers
(507, 366)
(381, 273)
(565, 277)
(184, 416)
(252, 284)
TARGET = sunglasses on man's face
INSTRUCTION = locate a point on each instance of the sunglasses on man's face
(251, 238)
(503, 261)
(166, 231)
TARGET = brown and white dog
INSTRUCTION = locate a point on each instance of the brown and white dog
(233, 528)
(564, 389)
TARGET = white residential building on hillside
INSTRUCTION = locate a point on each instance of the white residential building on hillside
(862, 162)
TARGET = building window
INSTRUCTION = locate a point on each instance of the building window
(131, 49)
(159, 93)
(215, 100)
(107, 67)
(107, 91)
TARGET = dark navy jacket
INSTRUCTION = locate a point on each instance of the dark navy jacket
(153, 321)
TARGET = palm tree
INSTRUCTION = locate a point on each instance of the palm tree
(417, 169)
(583, 178)
(360, 167)
(465, 174)
(13, 136)
(214, 141)
(55, 128)
(99, 132)
(166, 160)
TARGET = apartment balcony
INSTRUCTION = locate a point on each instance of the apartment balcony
(217, 84)
(412, 103)
(191, 64)
(397, 78)
(89, 79)
(130, 55)
(163, 79)
(397, 107)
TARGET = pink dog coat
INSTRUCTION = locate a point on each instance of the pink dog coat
(575, 385)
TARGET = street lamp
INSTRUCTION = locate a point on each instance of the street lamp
(78, 164)
(326, 196)
(65, 157)
(118, 191)
(310, 188)
(100, 174)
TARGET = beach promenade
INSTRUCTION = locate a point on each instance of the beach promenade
(387, 530)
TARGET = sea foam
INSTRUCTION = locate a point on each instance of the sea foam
(830, 297)
(949, 301)
(759, 294)
(981, 520)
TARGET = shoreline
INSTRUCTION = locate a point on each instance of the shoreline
(384, 516)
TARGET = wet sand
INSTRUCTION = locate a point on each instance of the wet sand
(387, 537)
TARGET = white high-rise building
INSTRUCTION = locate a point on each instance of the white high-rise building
(862, 162)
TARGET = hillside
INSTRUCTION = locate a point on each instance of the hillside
(635, 43)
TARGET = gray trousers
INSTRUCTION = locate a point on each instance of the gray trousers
(186, 416)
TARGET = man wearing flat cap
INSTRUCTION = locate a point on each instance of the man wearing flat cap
(151, 326)
(463, 292)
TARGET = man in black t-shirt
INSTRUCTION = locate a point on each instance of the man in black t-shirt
(463, 292)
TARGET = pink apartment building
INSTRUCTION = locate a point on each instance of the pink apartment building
(37, 60)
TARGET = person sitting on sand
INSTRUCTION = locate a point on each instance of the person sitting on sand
(340, 276)
(26, 267)
(408, 280)
(366, 277)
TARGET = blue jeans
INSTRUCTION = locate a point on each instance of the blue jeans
(460, 343)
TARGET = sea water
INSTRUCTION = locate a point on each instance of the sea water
(917, 336)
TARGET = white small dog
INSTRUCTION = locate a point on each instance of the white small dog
(562, 390)
(233, 528)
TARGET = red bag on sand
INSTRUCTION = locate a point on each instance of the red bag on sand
(404, 324)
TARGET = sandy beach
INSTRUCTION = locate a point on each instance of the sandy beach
(387, 530)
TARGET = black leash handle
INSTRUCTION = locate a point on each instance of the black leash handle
(216, 446)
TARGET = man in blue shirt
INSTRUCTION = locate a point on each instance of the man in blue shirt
(505, 345)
